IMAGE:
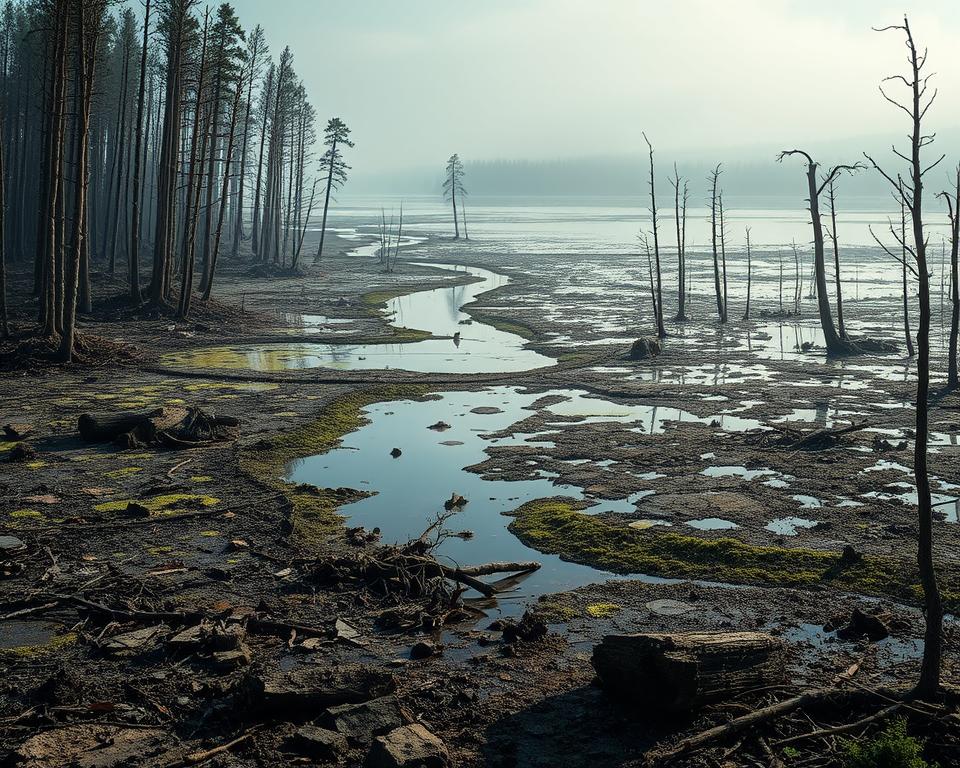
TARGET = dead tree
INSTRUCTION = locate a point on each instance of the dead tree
(911, 195)
(903, 262)
(953, 213)
(746, 314)
(680, 215)
(723, 256)
(661, 330)
(713, 179)
(835, 344)
(780, 257)
(645, 242)
(796, 279)
(831, 195)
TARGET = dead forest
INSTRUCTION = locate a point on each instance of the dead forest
(290, 479)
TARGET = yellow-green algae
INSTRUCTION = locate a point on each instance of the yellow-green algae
(116, 474)
(313, 511)
(24, 514)
(557, 526)
(603, 610)
(160, 504)
(27, 652)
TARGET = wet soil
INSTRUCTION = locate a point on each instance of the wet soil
(680, 439)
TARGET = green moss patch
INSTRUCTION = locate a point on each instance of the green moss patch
(556, 526)
(168, 504)
(516, 327)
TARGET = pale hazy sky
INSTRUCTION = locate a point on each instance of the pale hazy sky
(419, 79)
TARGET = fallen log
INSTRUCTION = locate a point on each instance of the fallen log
(172, 426)
(680, 673)
(488, 569)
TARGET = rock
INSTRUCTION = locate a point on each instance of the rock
(360, 723)
(440, 426)
(396, 453)
(228, 661)
(859, 626)
(423, 650)
(238, 545)
(319, 743)
(346, 632)
(528, 629)
(133, 642)
(411, 746)
(669, 607)
(16, 432)
(22, 452)
(645, 348)
(850, 556)
(456, 501)
(134, 510)
(11, 544)
(307, 691)
(189, 639)
(486, 410)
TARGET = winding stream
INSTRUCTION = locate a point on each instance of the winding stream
(462, 344)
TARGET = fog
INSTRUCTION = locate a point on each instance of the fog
(560, 79)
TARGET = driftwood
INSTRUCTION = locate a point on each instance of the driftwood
(173, 427)
(680, 673)
(807, 700)
(797, 440)
(488, 569)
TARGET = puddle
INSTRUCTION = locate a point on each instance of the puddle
(787, 526)
(746, 474)
(900, 650)
(411, 490)
(478, 348)
(712, 524)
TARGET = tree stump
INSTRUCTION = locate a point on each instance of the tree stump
(682, 672)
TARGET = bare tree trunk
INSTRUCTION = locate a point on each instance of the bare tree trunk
(224, 191)
(953, 381)
(723, 257)
(255, 234)
(326, 200)
(134, 256)
(661, 330)
(903, 259)
(714, 177)
(86, 62)
(680, 215)
(4, 323)
(746, 314)
(841, 328)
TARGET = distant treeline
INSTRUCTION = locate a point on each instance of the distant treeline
(604, 177)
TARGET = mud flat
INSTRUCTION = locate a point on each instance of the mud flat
(657, 495)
